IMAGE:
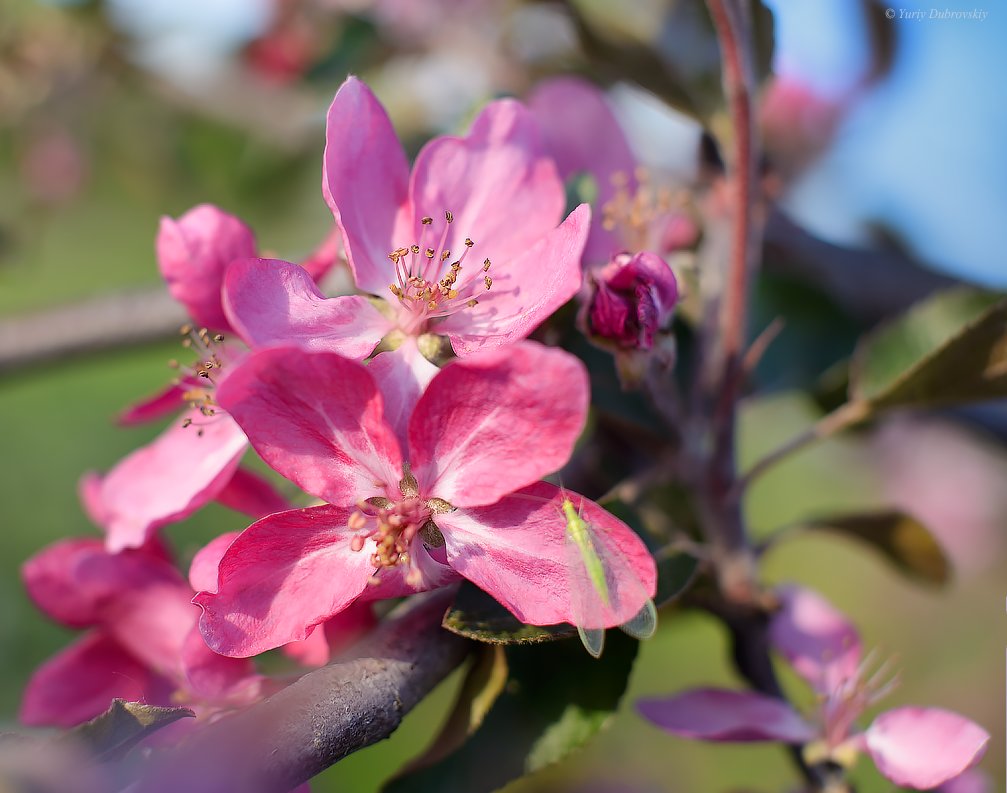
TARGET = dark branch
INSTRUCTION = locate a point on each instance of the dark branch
(326, 715)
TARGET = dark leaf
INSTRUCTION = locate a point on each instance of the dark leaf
(903, 540)
(484, 682)
(476, 615)
(555, 699)
(111, 735)
(949, 349)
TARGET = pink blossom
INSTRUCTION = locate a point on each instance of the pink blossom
(421, 489)
(919, 748)
(470, 244)
(632, 299)
(195, 460)
(584, 136)
(142, 643)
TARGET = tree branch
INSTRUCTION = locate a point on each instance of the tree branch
(101, 323)
(329, 713)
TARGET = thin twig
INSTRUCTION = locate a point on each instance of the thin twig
(844, 416)
(329, 713)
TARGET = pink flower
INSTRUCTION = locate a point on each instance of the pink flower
(584, 136)
(142, 643)
(913, 747)
(470, 244)
(632, 300)
(423, 487)
(195, 460)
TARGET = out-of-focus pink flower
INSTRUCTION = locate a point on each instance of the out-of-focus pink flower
(632, 299)
(54, 167)
(919, 748)
(142, 643)
(470, 244)
(951, 481)
(584, 136)
(423, 487)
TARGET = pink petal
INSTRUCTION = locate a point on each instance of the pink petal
(193, 253)
(50, 578)
(402, 376)
(433, 574)
(170, 478)
(81, 681)
(492, 423)
(317, 419)
(498, 182)
(711, 714)
(205, 564)
(75, 580)
(161, 404)
(583, 135)
(283, 575)
(211, 676)
(364, 181)
(924, 747)
(819, 641)
(517, 551)
(270, 301)
(972, 781)
(251, 494)
(526, 290)
(334, 635)
(89, 493)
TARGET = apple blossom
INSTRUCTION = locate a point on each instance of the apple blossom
(422, 489)
(914, 747)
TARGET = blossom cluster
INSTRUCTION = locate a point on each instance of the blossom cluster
(407, 433)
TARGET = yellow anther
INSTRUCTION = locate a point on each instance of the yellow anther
(449, 217)
(429, 253)
(488, 281)
(414, 248)
(486, 265)
(468, 242)
(427, 221)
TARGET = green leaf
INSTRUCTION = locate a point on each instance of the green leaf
(111, 735)
(477, 615)
(902, 539)
(556, 698)
(951, 348)
(484, 682)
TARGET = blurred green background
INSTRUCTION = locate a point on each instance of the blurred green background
(129, 148)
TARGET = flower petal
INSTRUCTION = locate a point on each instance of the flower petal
(469, 434)
(334, 635)
(81, 681)
(270, 301)
(819, 641)
(364, 181)
(713, 714)
(205, 564)
(402, 376)
(526, 290)
(283, 574)
(51, 582)
(163, 403)
(517, 551)
(213, 677)
(252, 494)
(317, 419)
(923, 747)
(583, 135)
(498, 182)
(193, 253)
(170, 478)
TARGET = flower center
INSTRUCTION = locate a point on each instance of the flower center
(639, 216)
(202, 377)
(393, 525)
(849, 697)
(429, 284)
